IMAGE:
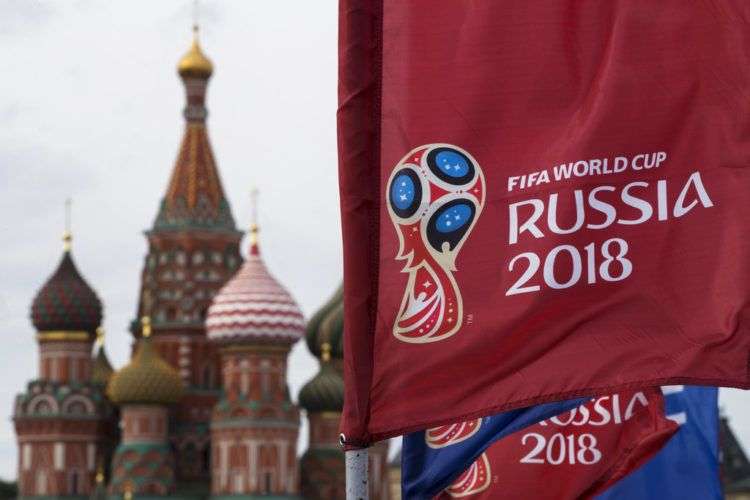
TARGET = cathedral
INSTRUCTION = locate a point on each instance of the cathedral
(203, 409)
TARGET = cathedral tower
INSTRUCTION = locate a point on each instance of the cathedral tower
(322, 465)
(145, 388)
(65, 425)
(254, 427)
(193, 248)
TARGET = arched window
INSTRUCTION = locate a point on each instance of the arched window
(265, 379)
(73, 483)
(208, 381)
(78, 405)
(189, 459)
(244, 377)
(43, 405)
(198, 258)
(267, 482)
(41, 482)
(77, 408)
(43, 408)
(237, 481)
(206, 459)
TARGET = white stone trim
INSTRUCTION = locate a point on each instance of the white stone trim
(26, 456)
(58, 454)
(91, 456)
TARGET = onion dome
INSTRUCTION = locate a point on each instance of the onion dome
(254, 307)
(325, 392)
(147, 379)
(101, 371)
(195, 64)
(66, 302)
(327, 326)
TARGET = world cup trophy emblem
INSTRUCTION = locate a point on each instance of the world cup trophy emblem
(435, 195)
(447, 435)
(473, 480)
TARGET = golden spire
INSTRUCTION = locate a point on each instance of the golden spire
(99, 473)
(146, 326)
(254, 218)
(100, 337)
(67, 236)
(195, 63)
(128, 495)
(325, 352)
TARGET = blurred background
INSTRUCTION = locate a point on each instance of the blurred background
(90, 106)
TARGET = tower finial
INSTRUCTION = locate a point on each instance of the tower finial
(325, 352)
(99, 473)
(128, 494)
(195, 19)
(146, 326)
(254, 221)
(194, 64)
(67, 236)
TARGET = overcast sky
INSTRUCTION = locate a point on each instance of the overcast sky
(90, 106)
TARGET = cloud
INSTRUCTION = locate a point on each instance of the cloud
(20, 16)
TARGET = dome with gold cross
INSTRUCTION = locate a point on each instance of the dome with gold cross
(325, 392)
(66, 303)
(253, 306)
(147, 379)
(195, 64)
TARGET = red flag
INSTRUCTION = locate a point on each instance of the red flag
(575, 455)
(540, 200)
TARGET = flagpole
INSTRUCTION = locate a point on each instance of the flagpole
(356, 474)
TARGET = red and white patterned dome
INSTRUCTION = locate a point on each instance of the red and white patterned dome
(254, 307)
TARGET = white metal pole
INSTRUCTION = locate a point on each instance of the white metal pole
(357, 474)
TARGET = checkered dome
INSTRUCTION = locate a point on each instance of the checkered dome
(66, 302)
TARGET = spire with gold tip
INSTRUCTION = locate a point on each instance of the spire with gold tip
(253, 306)
(66, 306)
(100, 489)
(147, 379)
(325, 392)
(195, 198)
(195, 64)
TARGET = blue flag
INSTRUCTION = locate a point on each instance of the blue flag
(687, 468)
(432, 459)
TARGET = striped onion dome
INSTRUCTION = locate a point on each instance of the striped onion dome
(254, 307)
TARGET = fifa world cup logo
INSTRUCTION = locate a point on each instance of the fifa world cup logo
(473, 480)
(447, 435)
(435, 195)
